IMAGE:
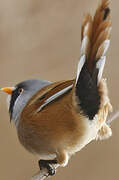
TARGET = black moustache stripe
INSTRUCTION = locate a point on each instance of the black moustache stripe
(14, 96)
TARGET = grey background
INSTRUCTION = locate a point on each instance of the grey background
(41, 39)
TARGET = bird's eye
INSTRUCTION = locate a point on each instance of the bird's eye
(20, 90)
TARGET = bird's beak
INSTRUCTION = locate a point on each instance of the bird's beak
(8, 90)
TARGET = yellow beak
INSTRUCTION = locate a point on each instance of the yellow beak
(8, 90)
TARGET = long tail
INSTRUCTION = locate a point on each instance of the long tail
(95, 40)
(95, 36)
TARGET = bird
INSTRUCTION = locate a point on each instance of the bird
(54, 120)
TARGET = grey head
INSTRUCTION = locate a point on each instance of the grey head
(21, 94)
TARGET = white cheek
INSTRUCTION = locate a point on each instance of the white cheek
(8, 101)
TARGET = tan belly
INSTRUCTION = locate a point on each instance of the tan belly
(47, 141)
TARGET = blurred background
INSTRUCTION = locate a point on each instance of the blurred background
(41, 39)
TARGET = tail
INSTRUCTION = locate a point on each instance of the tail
(95, 41)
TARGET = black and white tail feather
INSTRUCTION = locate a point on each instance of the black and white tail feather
(95, 41)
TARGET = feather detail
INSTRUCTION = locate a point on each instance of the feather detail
(86, 35)
(103, 49)
(50, 93)
(86, 20)
(100, 65)
(80, 65)
(95, 34)
(54, 97)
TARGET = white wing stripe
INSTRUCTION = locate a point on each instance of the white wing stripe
(80, 65)
(55, 96)
(100, 65)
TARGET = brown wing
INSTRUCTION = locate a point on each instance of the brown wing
(50, 93)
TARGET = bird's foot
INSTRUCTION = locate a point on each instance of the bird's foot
(48, 165)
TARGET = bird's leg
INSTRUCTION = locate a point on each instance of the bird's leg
(48, 165)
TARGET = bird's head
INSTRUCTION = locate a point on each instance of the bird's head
(20, 94)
